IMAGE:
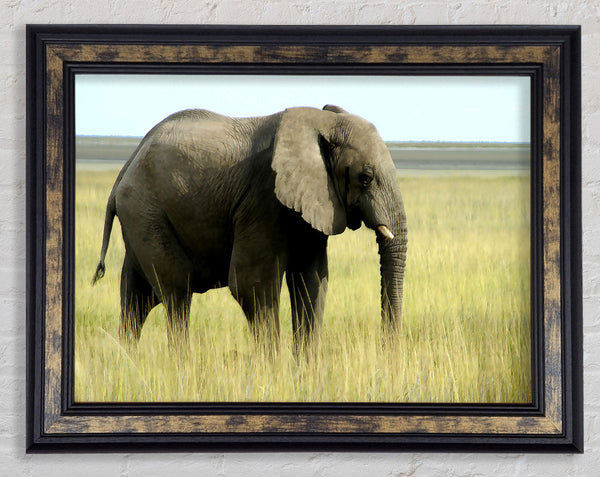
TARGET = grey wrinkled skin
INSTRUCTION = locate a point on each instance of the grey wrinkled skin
(209, 201)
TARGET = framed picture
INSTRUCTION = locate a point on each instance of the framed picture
(340, 238)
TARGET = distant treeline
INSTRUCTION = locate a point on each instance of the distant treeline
(406, 155)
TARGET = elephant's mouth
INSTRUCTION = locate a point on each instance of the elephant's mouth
(353, 220)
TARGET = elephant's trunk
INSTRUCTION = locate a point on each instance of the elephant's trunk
(392, 252)
(383, 211)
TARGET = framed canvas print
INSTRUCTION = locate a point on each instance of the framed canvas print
(270, 238)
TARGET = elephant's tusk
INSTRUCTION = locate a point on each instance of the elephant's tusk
(383, 230)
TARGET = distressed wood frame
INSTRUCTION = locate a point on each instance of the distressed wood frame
(549, 55)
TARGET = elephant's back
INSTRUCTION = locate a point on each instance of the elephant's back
(196, 157)
(211, 139)
(179, 151)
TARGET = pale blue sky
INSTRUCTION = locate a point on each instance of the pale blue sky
(403, 108)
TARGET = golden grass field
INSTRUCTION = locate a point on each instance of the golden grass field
(464, 337)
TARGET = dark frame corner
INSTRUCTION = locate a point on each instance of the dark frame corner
(550, 55)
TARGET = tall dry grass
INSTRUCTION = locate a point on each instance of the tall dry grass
(464, 337)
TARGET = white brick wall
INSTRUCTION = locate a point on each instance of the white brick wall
(14, 14)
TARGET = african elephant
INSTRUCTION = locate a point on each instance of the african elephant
(210, 201)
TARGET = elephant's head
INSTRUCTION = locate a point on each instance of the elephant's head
(335, 170)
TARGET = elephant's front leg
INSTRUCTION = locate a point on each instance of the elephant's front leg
(255, 277)
(306, 276)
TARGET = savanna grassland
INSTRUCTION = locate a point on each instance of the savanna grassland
(464, 336)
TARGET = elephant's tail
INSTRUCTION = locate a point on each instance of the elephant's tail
(111, 211)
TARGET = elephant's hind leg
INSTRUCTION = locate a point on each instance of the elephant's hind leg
(165, 266)
(137, 299)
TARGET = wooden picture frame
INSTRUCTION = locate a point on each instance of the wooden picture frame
(548, 55)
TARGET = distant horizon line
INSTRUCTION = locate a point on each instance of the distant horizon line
(398, 142)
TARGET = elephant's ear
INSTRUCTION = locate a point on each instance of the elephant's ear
(334, 109)
(302, 180)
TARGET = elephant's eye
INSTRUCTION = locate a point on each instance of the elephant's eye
(365, 178)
